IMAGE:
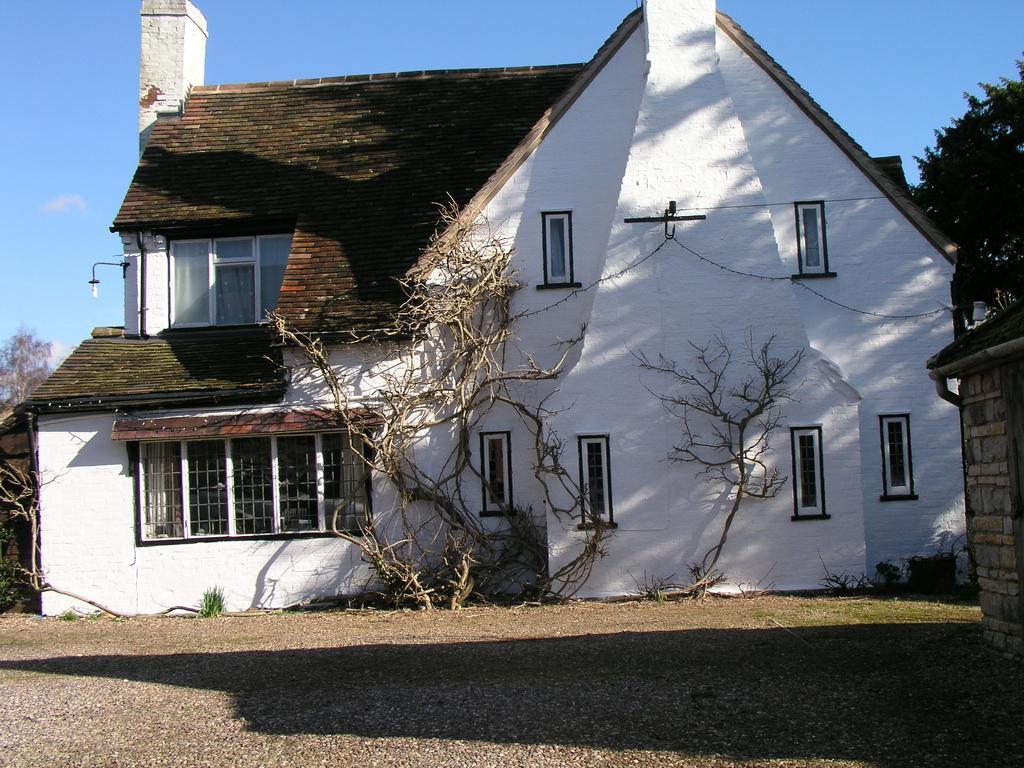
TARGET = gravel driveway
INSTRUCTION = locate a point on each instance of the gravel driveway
(769, 681)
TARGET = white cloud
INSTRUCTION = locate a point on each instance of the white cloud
(64, 204)
(58, 351)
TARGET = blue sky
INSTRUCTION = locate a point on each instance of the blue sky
(890, 71)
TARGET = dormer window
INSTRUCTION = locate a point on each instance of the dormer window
(226, 280)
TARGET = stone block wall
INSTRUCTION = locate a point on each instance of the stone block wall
(993, 530)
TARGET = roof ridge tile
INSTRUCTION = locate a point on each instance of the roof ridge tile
(313, 82)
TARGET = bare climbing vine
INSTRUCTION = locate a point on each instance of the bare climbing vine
(448, 361)
(726, 426)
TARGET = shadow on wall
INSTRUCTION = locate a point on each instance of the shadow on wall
(867, 692)
(326, 575)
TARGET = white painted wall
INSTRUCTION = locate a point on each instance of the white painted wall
(88, 540)
(884, 265)
(667, 517)
(678, 114)
(153, 316)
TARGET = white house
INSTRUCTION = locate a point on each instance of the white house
(186, 450)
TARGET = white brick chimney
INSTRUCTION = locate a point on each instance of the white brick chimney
(679, 32)
(172, 60)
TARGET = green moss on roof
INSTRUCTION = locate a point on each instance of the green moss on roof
(216, 362)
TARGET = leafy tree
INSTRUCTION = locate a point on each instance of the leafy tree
(972, 185)
(24, 363)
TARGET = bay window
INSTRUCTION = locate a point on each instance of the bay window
(251, 486)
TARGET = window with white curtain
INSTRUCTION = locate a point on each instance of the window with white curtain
(812, 248)
(557, 249)
(227, 280)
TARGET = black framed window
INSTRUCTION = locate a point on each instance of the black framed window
(250, 486)
(557, 250)
(897, 460)
(207, 487)
(346, 481)
(595, 480)
(297, 483)
(253, 483)
(496, 472)
(808, 473)
(811, 240)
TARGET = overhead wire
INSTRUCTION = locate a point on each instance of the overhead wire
(787, 203)
(603, 279)
(797, 281)
(752, 275)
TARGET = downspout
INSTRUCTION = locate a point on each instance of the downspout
(942, 389)
(143, 309)
(986, 358)
(36, 555)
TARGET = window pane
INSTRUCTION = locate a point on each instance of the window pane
(556, 247)
(812, 248)
(254, 485)
(496, 472)
(808, 471)
(235, 295)
(233, 249)
(273, 258)
(191, 282)
(161, 472)
(595, 479)
(296, 468)
(208, 486)
(897, 460)
(344, 482)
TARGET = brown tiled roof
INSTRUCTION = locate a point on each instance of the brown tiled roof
(1006, 327)
(207, 365)
(358, 164)
(236, 424)
(226, 425)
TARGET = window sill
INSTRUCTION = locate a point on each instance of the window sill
(799, 518)
(898, 497)
(594, 527)
(812, 275)
(556, 286)
(246, 537)
(497, 513)
(184, 327)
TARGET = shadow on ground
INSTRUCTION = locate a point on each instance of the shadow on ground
(890, 694)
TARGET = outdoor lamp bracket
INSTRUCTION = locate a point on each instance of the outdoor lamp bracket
(95, 283)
